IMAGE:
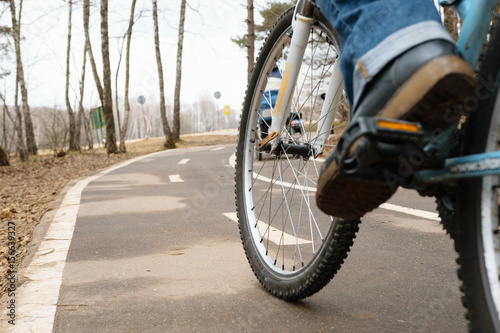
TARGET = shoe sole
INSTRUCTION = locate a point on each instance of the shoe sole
(346, 199)
(435, 87)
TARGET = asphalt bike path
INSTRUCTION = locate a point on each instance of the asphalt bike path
(153, 247)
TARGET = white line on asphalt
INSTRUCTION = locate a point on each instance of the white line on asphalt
(410, 211)
(232, 161)
(218, 148)
(184, 161)
(305, 189)
(176, 179)
(274, 235)
(39, 295)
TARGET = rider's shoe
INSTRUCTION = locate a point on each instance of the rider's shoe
(420, 85)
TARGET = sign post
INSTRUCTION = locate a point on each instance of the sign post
(141, 100)
(217, 96)
(227, 112)
(98, 122)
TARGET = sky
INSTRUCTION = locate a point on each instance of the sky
(211, 61)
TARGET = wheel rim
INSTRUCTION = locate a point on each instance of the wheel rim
(286, 227)
(489, 243)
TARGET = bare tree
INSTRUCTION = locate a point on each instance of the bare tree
(81, 110)
(206, 109)
(178, 73)
(71, 116)
(270, 14)
(5, 31)
(18, 127)
(117, 101)
(95, 74)
(4, 159)
(86, 18)
(16, 33)
(126, 115)
(55, 131)
(251, 38)
(107, 107)
(169, 142)
(4, 127)
(20, 147)
(88, 133)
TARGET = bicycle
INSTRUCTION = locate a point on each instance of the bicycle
(294, 249)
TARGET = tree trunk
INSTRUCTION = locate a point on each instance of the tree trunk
(88, 131)
(117, 102)
(169, 142)
(107, 108)
(4, 159)
(20, 147)
(250, 38)
(18, 127)
(178, 74)
(16, 32)
(126, 115)
(81, 110)
(71, 116)
(4, 128)
(86, 16)
(78, 127)
(451, 22)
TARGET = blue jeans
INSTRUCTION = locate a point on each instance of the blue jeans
(374, 32)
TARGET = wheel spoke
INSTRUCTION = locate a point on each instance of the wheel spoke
(283, 230)
(284, 233)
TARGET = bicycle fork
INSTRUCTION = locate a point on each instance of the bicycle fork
(301, 30)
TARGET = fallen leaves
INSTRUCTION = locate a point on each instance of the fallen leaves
(5, 214)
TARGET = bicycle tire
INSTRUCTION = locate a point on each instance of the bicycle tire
(289, 278)
(476, 234)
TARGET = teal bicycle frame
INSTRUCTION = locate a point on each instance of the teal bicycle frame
(476, 16)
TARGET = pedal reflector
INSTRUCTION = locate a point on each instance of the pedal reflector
(399, 126)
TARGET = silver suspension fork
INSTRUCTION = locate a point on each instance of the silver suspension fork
(302, 27)
(329, 110)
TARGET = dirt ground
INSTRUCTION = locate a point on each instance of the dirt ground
(27, 190)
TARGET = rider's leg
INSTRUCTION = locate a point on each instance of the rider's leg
(373, 32)
(397, 61)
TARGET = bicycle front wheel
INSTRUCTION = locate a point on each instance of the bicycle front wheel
(293, 248)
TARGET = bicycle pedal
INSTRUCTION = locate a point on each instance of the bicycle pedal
(372, 144)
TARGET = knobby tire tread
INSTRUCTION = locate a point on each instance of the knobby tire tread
(340, 237)
(462, 222)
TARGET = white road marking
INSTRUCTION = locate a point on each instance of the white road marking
(232, 161)
(176, 179)
(39, 295)
(274, 235)
(218, 148)
(184, 161)
(410, 211)
(306, 189)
